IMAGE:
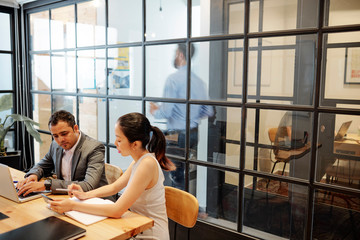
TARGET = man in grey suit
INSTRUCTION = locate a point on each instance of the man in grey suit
(73, 156)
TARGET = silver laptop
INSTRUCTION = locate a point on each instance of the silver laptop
(8, 189)
(342, 131)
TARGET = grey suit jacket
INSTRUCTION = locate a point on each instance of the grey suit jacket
(88, 165)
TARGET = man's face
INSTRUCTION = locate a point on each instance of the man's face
(177, 59)
(64, 135)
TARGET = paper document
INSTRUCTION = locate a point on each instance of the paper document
(86, 218)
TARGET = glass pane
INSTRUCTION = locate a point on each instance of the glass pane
(129, 28)
(216, 191)
(125, 71)
(279, 144)
(63, 27)
(166, 19)
(39, 31)
(279, 211)
(42, 110)
(282, 69)
(117, 108)
(342, 71)
(338, 157)
(6, 106)
(40, 70)
(5, 32)
(91, 23)
(63, 69)
(67, 103)
(94, 109)
(336, 215)
(342, 12)
(6, 72)
(118, 160)
(283, 15)
(91, 66)
(206, 18)
(221, 75)
(41, 149)
(9, 142)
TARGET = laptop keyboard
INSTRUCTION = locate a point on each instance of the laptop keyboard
(29, 195)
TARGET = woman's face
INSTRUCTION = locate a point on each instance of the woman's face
(121, 142)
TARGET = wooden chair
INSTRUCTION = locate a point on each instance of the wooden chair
(112, 172)
(181, 207)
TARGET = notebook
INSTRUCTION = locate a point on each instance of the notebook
(86, 218)
(8, 189)
(46, 229)
(342, 131)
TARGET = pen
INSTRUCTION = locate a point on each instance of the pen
(15, 181)
(62, 189)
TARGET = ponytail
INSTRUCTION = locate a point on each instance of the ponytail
(157, 145)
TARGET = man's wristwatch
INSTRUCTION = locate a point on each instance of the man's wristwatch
(47, 184)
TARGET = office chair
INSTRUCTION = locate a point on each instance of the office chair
(182, 207)
(112, 172)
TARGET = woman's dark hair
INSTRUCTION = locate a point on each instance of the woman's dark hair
(136, 127)
(63, 116)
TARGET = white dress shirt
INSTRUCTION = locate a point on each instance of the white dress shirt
(66, 162)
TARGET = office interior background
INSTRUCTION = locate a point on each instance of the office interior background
(285, 64)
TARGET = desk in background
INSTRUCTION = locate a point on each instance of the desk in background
(21, 214)
(349, 146)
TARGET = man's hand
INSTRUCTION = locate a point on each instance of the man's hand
(153, 108)
(31, 178)
(29, 187)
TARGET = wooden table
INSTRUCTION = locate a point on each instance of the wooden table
(21, 214)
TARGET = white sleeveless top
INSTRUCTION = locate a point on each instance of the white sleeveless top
(151, 203)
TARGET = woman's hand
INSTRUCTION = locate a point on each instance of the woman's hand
(75, 190)
(61, 206)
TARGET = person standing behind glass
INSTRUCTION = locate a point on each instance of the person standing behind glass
(175, 113)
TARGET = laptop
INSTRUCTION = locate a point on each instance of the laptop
(8, 189)
(342, 131)
(45, 229)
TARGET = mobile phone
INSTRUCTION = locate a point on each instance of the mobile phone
(46, 198)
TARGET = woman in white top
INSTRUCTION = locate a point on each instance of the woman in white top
(143, 179)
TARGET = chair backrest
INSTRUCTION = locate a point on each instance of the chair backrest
(112, 172)
(181, 206)
(272, 134)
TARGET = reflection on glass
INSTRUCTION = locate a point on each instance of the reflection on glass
(63, 68)
(335, 215)
(217, 192)
(129, 28)
(337, 159)
(42, 110)
(9, 142)
(117, 159)
(63, 27)
(94, 109)
(41, 149)
(125, 71)
(6, 71)
(91, 23)
(6, 98)
(273, 72)
(40, 70)
(91, 71)
(283, 143)
(117, 108)
(278, 209)
(342, 12)
(205, 23)
(166, 19)
(39, 31)
(5, 32)
(342, 70)
(283, 15)
(67, 103)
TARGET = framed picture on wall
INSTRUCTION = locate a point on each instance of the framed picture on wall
(352, 66)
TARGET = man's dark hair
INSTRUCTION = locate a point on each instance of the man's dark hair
(64, 116)
(182, 49)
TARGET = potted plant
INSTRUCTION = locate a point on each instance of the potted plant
(9, 121)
